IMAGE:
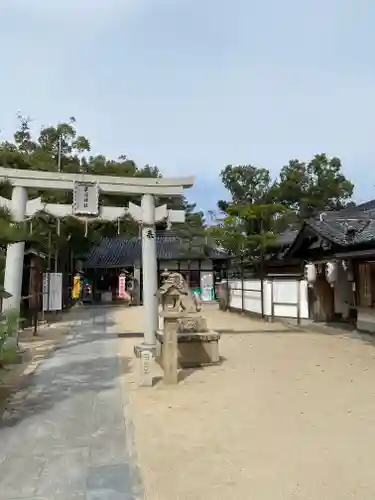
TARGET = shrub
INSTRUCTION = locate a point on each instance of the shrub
(9, 321)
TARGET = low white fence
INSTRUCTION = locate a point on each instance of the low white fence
(280, 297)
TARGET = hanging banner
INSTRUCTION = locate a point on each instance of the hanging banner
(76, 289)
(207, 287)
(122, 293)
(121, 286)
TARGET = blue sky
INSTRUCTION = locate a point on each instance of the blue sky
(193, 85)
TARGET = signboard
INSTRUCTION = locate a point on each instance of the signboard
(45, 288)
(86, 198)
(52, 291)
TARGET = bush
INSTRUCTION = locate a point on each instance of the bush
(9, 322)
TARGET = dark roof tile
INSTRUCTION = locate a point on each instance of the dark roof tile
(121, 252)
(338, 230)
(286, 237)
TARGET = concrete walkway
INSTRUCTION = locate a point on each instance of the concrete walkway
(65, 437)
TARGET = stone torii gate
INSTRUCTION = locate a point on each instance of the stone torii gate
(86, 189)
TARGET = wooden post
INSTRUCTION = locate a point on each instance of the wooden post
(298, 302)
(242, 285)
(169, 359)
(262, 273)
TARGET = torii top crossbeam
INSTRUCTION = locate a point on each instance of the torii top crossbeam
(173, 186)
(86, 190)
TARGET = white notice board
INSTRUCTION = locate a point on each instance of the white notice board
(52, 291)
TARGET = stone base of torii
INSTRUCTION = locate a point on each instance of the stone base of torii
(86, 189)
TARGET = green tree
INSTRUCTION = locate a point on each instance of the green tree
(252, 216)
(60, 147)
(307, 188)
(261, 207)
(247, 230)
(246, 184)
(195, 242)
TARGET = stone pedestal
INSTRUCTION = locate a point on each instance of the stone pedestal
(194, 350)
(184, 341)
(193, 323)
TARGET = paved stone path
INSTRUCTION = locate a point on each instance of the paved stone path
(65, 437)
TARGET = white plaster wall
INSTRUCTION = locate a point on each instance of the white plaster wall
(289, 291)
(235, 294)
(285, 291)
(252, 296)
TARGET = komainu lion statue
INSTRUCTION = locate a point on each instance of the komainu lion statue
(176, 292)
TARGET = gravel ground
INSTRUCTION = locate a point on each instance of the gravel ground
(287, 415)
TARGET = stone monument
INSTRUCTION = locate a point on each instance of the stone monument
(185, 340)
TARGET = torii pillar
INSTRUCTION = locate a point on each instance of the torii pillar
(15, 252)
(148, 215)
(86, 189)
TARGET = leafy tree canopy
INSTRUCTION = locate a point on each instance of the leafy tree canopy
(261, 207)
(320, 184)
(60, 147)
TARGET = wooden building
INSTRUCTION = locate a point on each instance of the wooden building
(201, 268)
(337, 250)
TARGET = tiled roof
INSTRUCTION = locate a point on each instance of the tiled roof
(121, 252)
(368, 205)
(349, 227)
(287, 237)
(346, 228)
(363, 210)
